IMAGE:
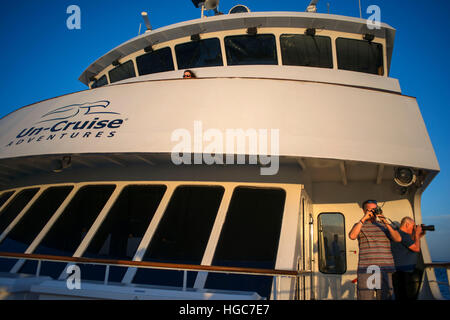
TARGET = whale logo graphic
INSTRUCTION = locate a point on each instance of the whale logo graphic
(73, 110)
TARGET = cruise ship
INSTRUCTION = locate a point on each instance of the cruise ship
(233, 184)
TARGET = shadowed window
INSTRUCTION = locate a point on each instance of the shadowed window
(182, 234)
(122, 230)
(26, 230)
(155, 61)
(68, 231)
(360, 55)
(304, 50)
(251, 49)
(249, 239)
(122, 72)
(201, 53)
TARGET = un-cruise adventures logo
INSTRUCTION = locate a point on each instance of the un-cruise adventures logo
(91, 120)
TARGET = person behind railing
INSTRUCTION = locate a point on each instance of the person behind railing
(374, 250)
(406, 279)
(189, 74)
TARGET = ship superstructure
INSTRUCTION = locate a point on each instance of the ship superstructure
(232, 185)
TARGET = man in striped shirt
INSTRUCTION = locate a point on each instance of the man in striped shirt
(374, 240)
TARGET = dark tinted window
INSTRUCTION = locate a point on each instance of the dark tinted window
(249, 238)
(19, 202)
(4, 197)
(303, 50)
(360, 55)
(103, 81)
(121, 233)
(124, 71)
(182, 234)
(251, 49)
(23, 234)
(332, 256)
(196, 54)
(156, 61)
(69, 230)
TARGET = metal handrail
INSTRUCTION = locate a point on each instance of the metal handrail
(154, 265)
(159, 265)
(445, 265)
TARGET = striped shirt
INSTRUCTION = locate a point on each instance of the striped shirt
(375, 248)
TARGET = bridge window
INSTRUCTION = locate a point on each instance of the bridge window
(182, 234)
(24, 232)
(4, 197)
(102, 81)
(17, 204)
(121, 233)
(304, 50)
(122, 72)
(360, 55)
(69, 230)
(156, 61)
(332, 252)
(249, 239)
(201, 53)
(251, 49)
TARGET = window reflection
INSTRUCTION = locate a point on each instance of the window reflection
(304, 50)
(360, 55)
(71, 227)
(249, 239)
(121, 233)
(332, 255)
(24, 232)
(182, 234)
(102, 81)
(196, 54)
(155, 61)
(122, 72)
(251, 49)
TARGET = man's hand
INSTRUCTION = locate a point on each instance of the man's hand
(382, 219)
(419, 232)
(367, 216)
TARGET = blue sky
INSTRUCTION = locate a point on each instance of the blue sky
(42, 59)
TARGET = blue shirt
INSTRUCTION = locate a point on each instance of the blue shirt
(404, 258)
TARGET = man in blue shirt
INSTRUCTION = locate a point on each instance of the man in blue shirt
(406, 253)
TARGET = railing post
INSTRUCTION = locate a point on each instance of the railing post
(38, 269)
(105, 282)
(275, 288)
(184, 280)
(448, 276)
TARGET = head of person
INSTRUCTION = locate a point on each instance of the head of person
(407, 225)
(368, 206)
(188, 74)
